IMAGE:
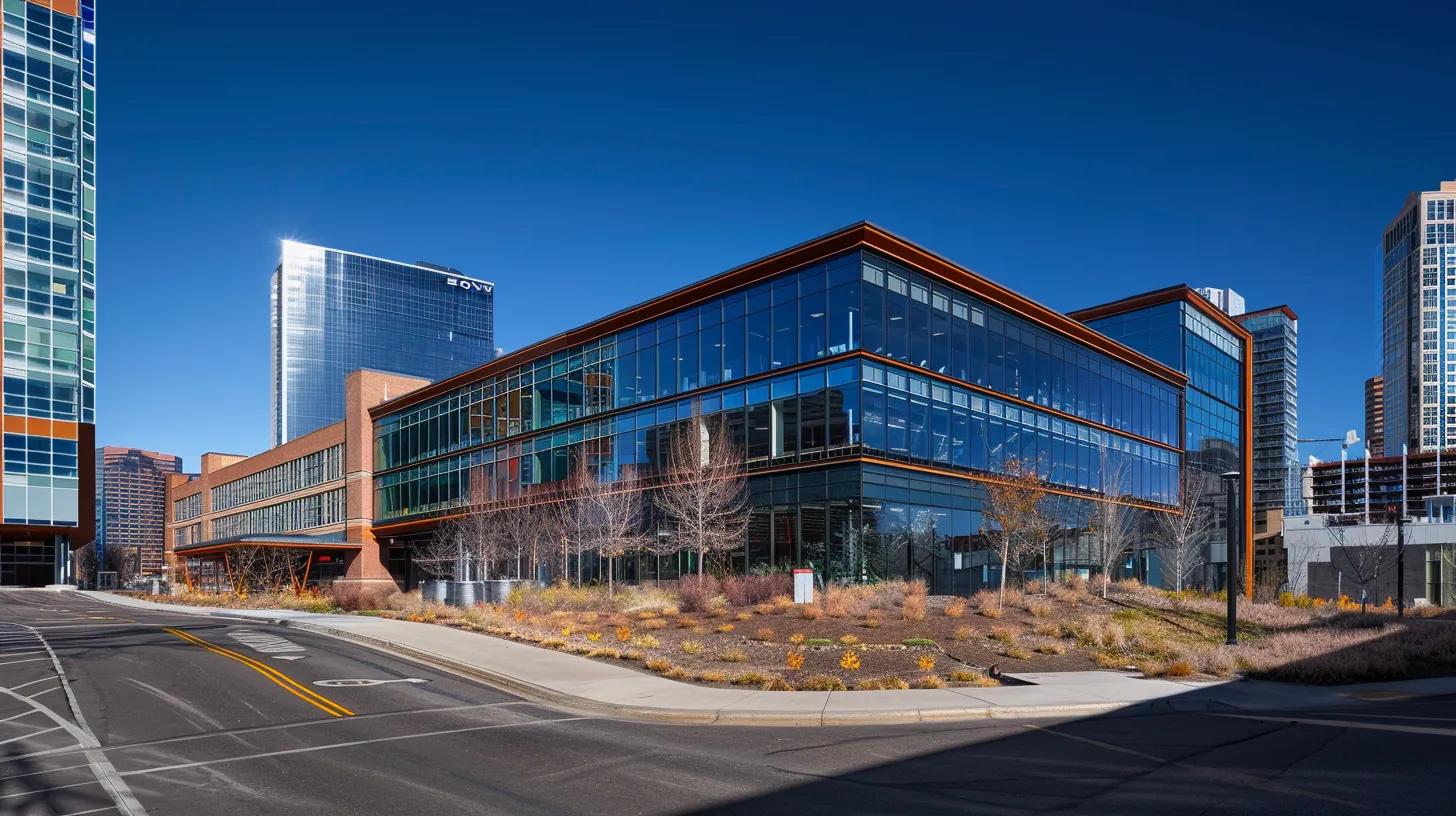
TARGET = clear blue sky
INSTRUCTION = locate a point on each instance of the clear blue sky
(588, 158)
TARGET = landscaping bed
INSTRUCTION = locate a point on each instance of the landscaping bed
(748, 632)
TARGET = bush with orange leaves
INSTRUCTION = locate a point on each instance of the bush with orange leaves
(795, 660)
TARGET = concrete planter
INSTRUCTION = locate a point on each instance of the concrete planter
(435, 591)
(466, 593)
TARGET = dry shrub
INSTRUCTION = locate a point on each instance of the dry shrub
(821, 682)
(776, 683)
(623, 633)
(604, 652)
(782, 603)
(646, 642)
(1016, 653)
(353, 597)
(748, 590)
(1179, 668)
(1003, 634)
(794, 660)
(751, 678)
(930, 681)
(732, 656)
(655, 623)
(658, 664)
(743, 616)
(678, 673)
(712, 677)
(1353, 650)
(963, 633)
(1039, 609)
(1100, 631)
(685, 622)
(913, 608)
(837, 602)
(691, 647)
(848, 640)
(1033, 587)
(717, 607)
(956, 608)
(872, 621)
(1218, 662)
(1047, 628)
(811, 612)
(974, 678)
(695, 591)
(881, 684)
(725, 628)
(646, 615)
(1050, 647)
(765, 608)
(796, 638)
(764, 633)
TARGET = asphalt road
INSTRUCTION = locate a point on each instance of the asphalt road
(180, 714)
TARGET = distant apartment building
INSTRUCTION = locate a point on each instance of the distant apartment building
(1418, 323)
(1276, 407)
(130, 507)
(1227, 300)
(1375, 414)
(334, 312)
(49, 245)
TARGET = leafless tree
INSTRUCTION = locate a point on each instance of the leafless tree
(1299, 551)
(1180, 542)
(1112, 520)
(84, 564)
(703, 492)
(441, 556)
(1013, 508)
(609, 520)
(1358, 556)
(124, 561)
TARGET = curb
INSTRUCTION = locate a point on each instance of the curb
(680, 716)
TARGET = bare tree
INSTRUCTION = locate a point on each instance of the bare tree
(1181, 535)
(441, 556)
(1013, 507)
(702, 493)
(1112, 520)
(610, 520)
(84, 564)
(1362, 559)
(124, 561)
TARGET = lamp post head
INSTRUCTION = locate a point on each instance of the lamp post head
(1232, 474)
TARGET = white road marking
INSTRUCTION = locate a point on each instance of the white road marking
(28, 736)
(18, 716)
(366, 682)
(13, 662)
(31, 683)
(179, 703)
(354, 743)
(1368, 726)
(39, 693)
(18, 654)
(268, 644)
(106, 775)
(93, 810)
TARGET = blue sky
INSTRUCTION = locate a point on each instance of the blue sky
(590, 157)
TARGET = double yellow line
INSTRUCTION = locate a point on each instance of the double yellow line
(283, 681)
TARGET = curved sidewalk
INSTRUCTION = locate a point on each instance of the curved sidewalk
(605, 688)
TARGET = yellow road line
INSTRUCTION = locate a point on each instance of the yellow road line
(282, 680)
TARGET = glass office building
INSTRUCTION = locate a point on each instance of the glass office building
(1418, 323)
(47, 506)
(873, 386)
(1183, 330)
(1276, 408)
(334, 312)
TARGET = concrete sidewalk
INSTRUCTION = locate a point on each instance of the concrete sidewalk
(599, 687)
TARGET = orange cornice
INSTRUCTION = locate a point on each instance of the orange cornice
(1158, 297)
(861, 235)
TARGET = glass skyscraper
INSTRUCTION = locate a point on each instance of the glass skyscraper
(1276, 408)
(49, 248)
(873, 386)
(334, 312)
(1418, 326)
(1183, 330)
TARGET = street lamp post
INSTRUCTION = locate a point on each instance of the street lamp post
(1230, 486)
(1400, 565)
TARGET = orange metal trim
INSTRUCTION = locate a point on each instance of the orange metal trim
(1248, 465)
(864, 235)
(71, 7)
